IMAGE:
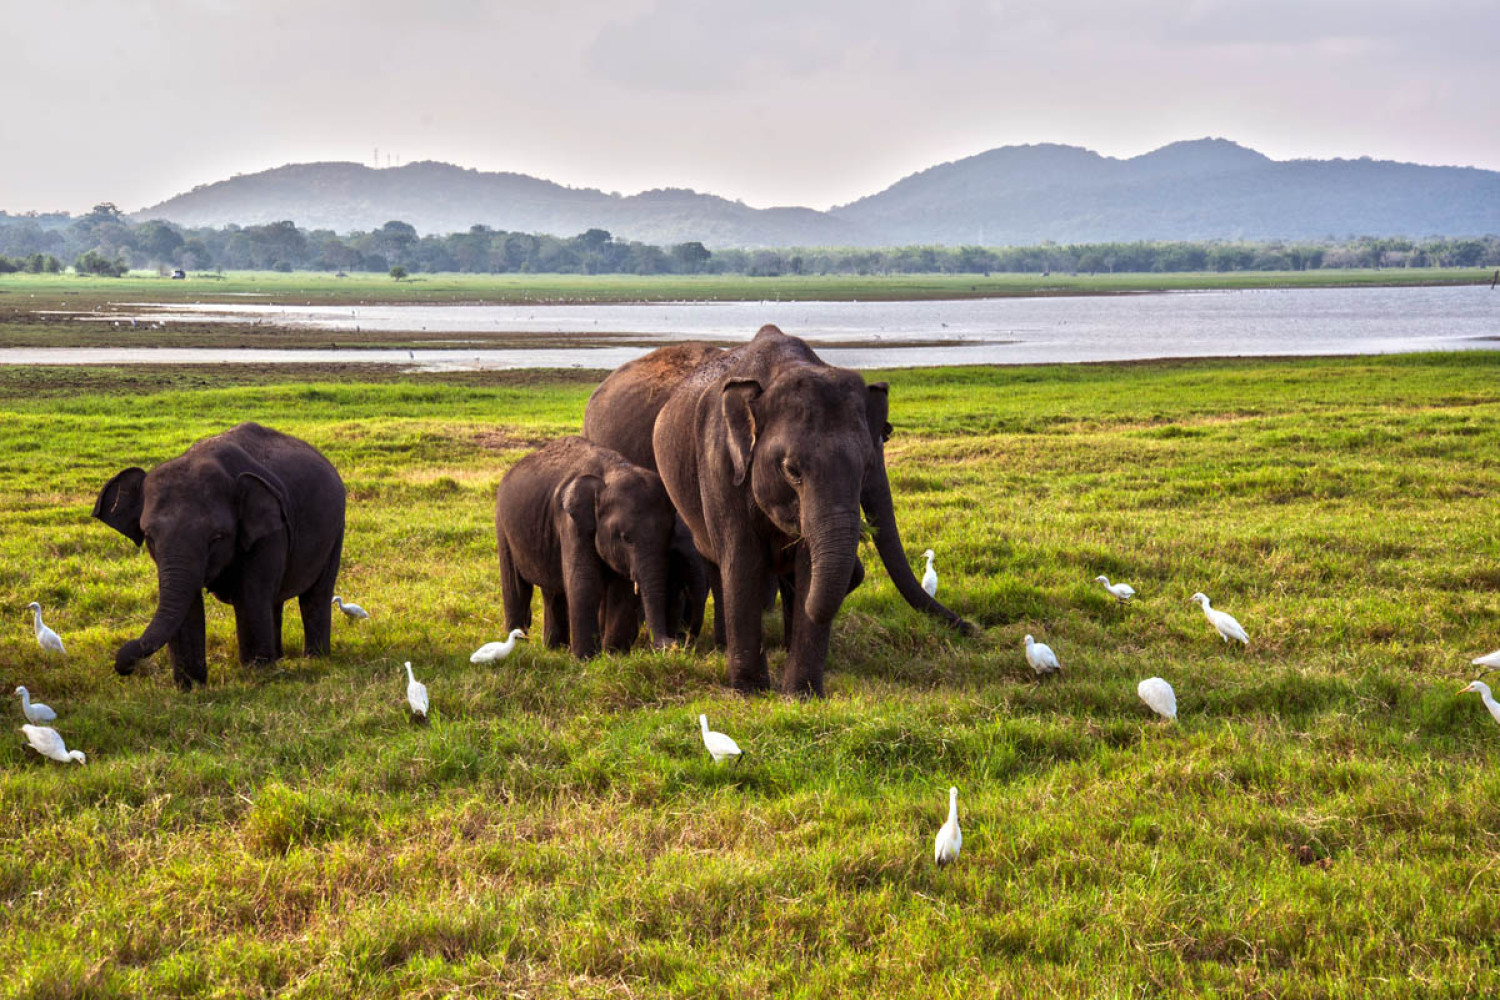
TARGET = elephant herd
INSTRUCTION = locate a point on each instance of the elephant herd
(738, 473)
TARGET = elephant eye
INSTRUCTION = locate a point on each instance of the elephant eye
(792, 473)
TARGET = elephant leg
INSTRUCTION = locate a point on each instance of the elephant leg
(280, 608)
(255, 627)
(515, 592)
(743, 580)
(808, 649)
(188, 648)
(316, 605)
(621, 617)
(554, 619)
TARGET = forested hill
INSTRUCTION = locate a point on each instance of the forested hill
(441, 198)
(1208, 189)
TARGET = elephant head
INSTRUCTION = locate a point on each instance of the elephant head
(194, 519)
(627, 518)
(802, 442)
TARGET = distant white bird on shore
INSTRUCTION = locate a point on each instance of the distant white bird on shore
(929, 578)
(34, 711)
(1041, 657)
(1221, 620)
(950, 838)
(1483, 690)
(492, 651)
(1159, 697)
(49, 743)
(352, 610)
(416, 693)
(719, 746)
(1489, 660)
(1123, 591)
(45, 637)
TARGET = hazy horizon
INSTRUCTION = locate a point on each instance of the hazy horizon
(791, 103)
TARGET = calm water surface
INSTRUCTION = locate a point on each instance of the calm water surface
(878, 334)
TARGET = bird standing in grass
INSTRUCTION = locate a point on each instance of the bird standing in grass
(351, 610)
(416, 693)
(719, 746)
(49, 743)
(34, 711)
(1159, 697)
(1041, 657)
(492, 651)
(950, 838)
(1488, 660)
(45, 637)
(1221, 620)
(929, 578)
(1483, 690)
(1123, 591)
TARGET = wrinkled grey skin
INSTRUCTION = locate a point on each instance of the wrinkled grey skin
(252, 515)
(585, 525)
(770, 456)
(619, 415)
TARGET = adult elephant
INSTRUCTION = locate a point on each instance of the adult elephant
(254, 516)
(769, 455)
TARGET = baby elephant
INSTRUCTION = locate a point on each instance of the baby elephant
(588, 527)
(254, 516)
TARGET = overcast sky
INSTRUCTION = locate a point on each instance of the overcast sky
(775, 102)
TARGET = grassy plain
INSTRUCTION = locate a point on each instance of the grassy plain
(1322, 822)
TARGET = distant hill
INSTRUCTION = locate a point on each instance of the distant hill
(1199, 190)
(441, 198)
(1205, 189)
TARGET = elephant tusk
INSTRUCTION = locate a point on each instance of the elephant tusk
(637, 585)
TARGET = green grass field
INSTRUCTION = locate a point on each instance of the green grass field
(1322, 821)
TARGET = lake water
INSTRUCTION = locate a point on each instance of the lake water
(865, 334)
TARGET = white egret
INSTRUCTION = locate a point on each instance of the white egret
(492, 651)
(45, 637)
(352, 610)
(1221, 620)
(1123, 591)
(929, 578)
(719, 746)
(34, 711)
(1159, 697)
(950, 838)
(416, 693)
(49, 743)
(1483, 690)
(1490, 660)
(1041, 657)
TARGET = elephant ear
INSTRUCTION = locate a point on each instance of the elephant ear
(739, 423)
(261, 509)
(120, 502)
(878, 408)
(580, 501)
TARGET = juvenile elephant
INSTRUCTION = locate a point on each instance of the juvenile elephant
(770, 455)
(585, 525)
(254, 516)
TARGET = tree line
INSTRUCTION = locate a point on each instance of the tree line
(106, 242)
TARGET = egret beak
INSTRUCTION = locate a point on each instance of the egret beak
(1466, 690)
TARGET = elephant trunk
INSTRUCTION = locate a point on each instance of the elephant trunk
(833, 545)
(652, 580)
(882, 513)
(177, 588)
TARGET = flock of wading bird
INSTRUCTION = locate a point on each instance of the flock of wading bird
(760, 416)
(1154, 691)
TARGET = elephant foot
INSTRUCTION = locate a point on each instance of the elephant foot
(751, 681)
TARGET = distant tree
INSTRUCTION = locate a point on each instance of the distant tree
(398, 272)
(94, 262)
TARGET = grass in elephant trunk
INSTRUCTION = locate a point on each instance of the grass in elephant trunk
(1320, 818)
